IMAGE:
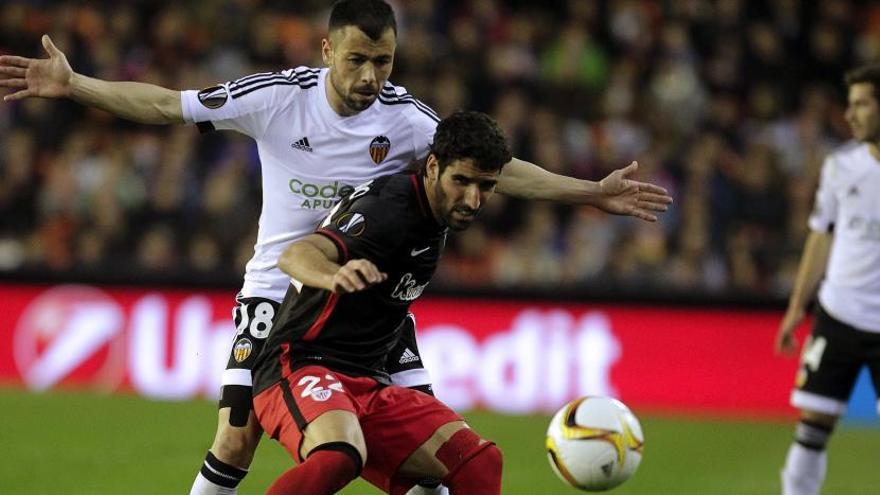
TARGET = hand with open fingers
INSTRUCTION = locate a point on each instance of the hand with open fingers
(44, 77)
(357, 275)
(786, 344)
(624, 196)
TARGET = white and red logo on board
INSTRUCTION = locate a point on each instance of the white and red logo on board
(71, 330)
(161, 345)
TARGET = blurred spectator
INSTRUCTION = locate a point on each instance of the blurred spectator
(157, 250)
(533, 258)
(204, 253)
(19, 184)
(589, 238)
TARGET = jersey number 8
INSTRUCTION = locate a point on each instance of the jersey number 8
(259, 324)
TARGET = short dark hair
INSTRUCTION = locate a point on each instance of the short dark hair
(471, 135)
(864, 74)
(372, 17)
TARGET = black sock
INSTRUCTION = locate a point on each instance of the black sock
(220, 473)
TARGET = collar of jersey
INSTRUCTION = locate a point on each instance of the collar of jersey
(418, 182)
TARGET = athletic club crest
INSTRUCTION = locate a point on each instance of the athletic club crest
(321, 395)
(379, 147)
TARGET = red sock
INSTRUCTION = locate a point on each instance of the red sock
(324, 472)
(479, 475)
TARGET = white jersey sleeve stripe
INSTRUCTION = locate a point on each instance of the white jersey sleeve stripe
(304, 83)
(306, 70)
(265, 76)
(389, 95)
(431, 115)
(427, 109)
(420, 104)
(251, 77)
(235, 86)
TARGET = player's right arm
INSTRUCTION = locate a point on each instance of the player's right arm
(54, 78)
(810, 272)
(814, 259)
(314, 261)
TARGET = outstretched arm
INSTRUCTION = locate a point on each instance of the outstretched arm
(54, 78)
(313, 261)
(616, 193)
(810, 272)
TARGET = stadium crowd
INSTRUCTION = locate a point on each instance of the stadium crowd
(731, 105)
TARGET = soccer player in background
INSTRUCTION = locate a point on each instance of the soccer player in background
(319, 132)
(842, 259)
(320, 385)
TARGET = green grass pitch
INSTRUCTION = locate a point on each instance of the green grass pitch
(78, 443)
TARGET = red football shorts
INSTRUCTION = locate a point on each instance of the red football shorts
(395, 420)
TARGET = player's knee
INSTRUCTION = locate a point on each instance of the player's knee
(466, 452)
(480, 471)
(489, 460)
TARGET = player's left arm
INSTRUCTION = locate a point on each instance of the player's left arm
(617, 193)
(315, 261)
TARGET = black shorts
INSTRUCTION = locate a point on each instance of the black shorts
(252, 317)
(253, 322)
(831, 361)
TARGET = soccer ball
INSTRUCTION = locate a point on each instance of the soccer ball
(594, 443)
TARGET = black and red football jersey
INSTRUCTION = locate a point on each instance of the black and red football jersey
(389, 222)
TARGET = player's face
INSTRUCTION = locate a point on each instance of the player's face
(863, 112)
(359, 66)
(458, 193)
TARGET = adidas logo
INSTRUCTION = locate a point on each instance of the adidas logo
(303, 145)
(408, 356)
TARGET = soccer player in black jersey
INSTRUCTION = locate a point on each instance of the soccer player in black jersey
(321, 387)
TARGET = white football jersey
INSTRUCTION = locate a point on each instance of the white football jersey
(310, 155)
(848, 203)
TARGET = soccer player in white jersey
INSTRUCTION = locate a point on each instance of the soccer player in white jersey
(842, 259)
(319, 132)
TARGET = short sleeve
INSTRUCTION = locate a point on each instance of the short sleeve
(246, 104)
(424, 127)
(825, 207)
(367, 227)
(422, 118)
